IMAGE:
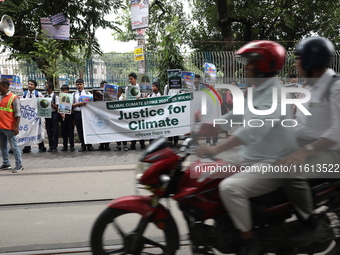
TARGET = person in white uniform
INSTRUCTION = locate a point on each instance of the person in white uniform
(263, 145)
(318, 134)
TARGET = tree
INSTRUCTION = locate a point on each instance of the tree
(29, 44)
(167, 32)
(235, 22)
(170, 55)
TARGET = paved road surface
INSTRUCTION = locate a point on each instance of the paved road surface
(41, 207)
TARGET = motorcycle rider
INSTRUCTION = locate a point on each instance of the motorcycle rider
(261, 146)
(318, 135)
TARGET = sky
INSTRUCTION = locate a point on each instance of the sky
(106, 41)
(108, 44)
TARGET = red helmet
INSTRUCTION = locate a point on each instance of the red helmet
(270, 55)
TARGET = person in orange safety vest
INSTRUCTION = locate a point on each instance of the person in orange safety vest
(9, 126)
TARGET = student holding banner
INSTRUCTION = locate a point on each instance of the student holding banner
(66, 124)
(121, 96)
(156, 92)
(77, 106)
(33, 93)
(133, 82)
(99, 96)
(52, 123)
(9, 126)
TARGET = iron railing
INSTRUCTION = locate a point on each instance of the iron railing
(115, 67)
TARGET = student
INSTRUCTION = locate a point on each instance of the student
(33, 93)
(99, 96)
(172, 92)
(77, 107)
(102, 83)
(133, 82)
(52, 124)
(9, 126)
(67, 126)
(121, 96)
(156, 86)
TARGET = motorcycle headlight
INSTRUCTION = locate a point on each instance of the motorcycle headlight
(141, 168)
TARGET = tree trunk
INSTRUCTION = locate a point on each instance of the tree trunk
(225, 22)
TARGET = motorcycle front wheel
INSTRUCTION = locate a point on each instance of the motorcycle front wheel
(123, 232)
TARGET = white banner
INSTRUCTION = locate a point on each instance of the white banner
(144, 118)
(31, 128)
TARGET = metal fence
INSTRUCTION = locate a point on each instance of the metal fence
(115, 67)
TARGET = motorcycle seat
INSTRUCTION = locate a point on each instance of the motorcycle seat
(278, 196)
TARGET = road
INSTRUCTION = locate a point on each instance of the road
(49, 207)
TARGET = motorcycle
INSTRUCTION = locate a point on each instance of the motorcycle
(124, 226)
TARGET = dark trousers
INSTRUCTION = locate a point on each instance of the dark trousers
(79, 125)
(40, 145)
(52, 130)
(174, 139)
(67, 130)
(141, 142)
(214, 139)
(104, 145)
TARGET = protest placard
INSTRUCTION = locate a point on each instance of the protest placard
(65, 103)
(110, 92)
(175, 79)
(132, 92)
(44, 107)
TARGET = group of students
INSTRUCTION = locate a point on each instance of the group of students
(68, 121)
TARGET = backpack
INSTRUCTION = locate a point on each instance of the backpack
(36, 93)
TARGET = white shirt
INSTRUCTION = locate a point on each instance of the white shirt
(56, 100)
(76, 98)
(155, 95)
(31, 94)
(171, 92)
(325, 119)
(268, 141)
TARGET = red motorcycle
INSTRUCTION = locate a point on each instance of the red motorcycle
(136, 224)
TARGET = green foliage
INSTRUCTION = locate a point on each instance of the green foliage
(170, 56)
(167, 32)
(47, 53)
(286, 21)
(28, 43)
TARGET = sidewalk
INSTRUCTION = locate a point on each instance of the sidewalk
(77, 161)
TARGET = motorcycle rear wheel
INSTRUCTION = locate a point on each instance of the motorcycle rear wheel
(123, 232)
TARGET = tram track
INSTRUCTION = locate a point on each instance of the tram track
(54, 204)
(82, 250)
(60, 171)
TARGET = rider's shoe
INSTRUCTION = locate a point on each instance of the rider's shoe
(312, 221)
(250, 246)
